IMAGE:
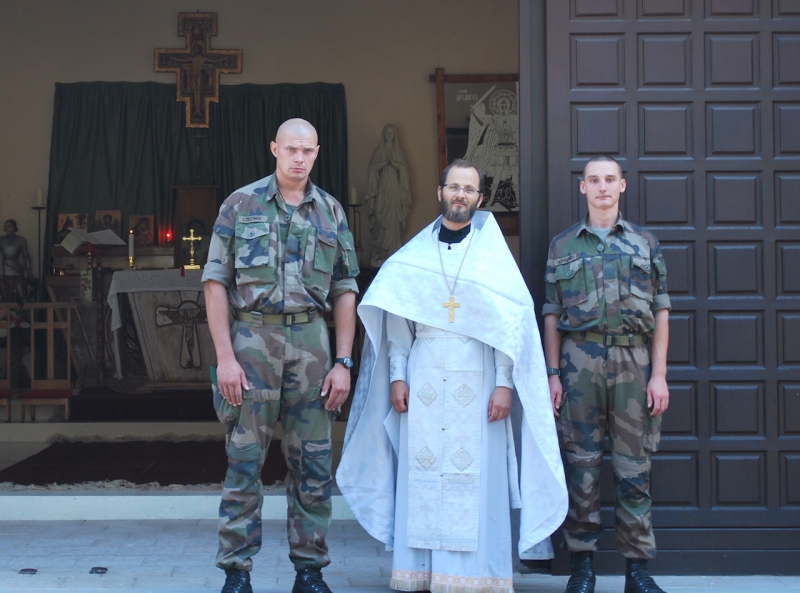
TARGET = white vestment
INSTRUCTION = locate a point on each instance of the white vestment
(424, 482)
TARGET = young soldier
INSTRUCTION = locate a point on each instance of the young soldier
(606, 334)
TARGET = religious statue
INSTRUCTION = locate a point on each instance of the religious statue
(494, 148)
(388, 196)
(16, 264)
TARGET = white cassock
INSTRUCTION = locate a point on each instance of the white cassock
(437, 483)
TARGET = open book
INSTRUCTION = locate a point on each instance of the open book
(78, 237)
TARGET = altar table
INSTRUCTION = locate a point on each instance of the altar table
(168, 311)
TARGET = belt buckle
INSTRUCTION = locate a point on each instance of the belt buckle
(608, 340)
(257, 318)
(288, 319)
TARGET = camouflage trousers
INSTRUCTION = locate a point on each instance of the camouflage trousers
(605, 394)
(285, 368)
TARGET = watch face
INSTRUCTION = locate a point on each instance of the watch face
(346, 361)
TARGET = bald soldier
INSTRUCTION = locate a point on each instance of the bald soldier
(281, 255)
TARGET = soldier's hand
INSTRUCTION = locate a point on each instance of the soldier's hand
(399, 396)
(657, 395)
(336, 387)
(556, 393)
(231, 381)
(500, 404)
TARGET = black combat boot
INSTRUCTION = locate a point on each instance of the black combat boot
(237, 581)
(638, 580)
(309, 580)
(582, 578)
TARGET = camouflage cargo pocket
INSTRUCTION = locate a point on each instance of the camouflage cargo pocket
(226, 412)
(325, 252)
(256, 252)
(578, 291)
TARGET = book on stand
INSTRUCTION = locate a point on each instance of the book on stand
(78, 237)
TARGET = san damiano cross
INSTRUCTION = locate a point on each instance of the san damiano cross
(198, 66)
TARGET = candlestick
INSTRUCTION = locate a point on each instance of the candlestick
(353, 196)
(130, 244)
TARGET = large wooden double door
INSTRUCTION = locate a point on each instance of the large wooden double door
(700, 102)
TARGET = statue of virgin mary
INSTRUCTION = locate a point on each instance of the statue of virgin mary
(388, 197)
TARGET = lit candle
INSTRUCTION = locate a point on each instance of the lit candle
(130, 243)
(39, 197)
(353, 196)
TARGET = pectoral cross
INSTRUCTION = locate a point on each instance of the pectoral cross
(452, 304)
(191, 238)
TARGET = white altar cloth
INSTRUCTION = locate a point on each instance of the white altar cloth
(149, 281)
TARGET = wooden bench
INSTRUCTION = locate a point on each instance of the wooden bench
(50, 390)
(5, 381)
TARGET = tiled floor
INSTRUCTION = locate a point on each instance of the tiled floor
(165, 556)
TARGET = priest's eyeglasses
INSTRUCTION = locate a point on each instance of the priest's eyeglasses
(469, 191)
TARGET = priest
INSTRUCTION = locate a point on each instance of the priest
(429, 465)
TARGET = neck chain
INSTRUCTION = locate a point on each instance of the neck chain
(458, 273)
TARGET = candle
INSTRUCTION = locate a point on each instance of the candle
(39, 197)
(130, 243)
(353, 196)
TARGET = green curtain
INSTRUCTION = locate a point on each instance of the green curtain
(123, 145)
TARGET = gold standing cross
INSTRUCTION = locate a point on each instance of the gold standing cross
(191, 238)
(452, 304)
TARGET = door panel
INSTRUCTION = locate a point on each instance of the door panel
(699, 100)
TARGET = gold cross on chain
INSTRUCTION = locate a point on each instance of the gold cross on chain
(452, 304)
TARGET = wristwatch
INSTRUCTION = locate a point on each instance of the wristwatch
(346, 362)
(553, 371)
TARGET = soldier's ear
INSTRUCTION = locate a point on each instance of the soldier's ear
(622, 185)
(583, 187)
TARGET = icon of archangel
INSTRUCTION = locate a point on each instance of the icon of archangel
(494, 147)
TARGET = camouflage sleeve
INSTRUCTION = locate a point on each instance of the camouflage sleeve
(219, 266)
(345, 268)
(552, 298)
(659, 274)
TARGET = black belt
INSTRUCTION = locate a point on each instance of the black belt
(285, 319)
(610, 339)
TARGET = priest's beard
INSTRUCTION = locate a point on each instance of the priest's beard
(458, 216)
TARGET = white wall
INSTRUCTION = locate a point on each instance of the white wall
(381, 50)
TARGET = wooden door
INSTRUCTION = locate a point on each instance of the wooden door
(699, 100)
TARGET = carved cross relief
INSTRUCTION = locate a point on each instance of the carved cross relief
(198, 66)
(188, 314)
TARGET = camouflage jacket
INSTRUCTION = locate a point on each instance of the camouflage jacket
(276, 262)
(611, 286)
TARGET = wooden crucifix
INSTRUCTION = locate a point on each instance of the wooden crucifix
(198, 66)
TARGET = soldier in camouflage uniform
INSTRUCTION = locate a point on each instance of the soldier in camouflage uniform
(281, 255)
(606, 334)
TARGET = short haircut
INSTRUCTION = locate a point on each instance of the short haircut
(463, 164)
(602, 159)
(13, 224)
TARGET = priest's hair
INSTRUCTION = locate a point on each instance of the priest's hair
(463, 164)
